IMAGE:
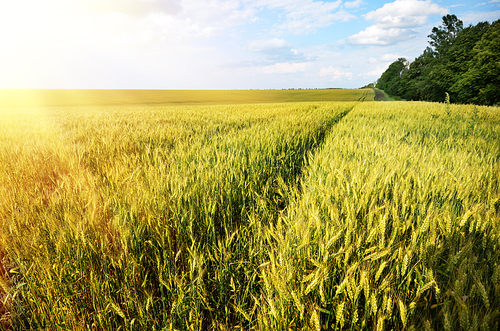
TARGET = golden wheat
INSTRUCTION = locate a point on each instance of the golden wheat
(265, 216)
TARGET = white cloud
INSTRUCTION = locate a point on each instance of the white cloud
(134, 7)
(286, 68)
(171, 44)
(376, 72)
(385, 58)
(485, 3)
(293, 6)
(390, 57)
(393, 22)
(268, 46)
(353, 4)
(334, 73)
(76, 43)
(310, 23)
(375, 35)
(179, 18)
(476, 17)
(305, 16)
(275, 51)
(219, 15)
(405, 13)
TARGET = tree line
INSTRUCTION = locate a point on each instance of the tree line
(465, 62)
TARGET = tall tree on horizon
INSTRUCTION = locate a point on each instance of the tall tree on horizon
(480, 84)
(441, 76)
(442, 37)
(462, 62)
(415, 80)
(390, 81)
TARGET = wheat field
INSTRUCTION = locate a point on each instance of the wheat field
(77, 98)
(296, 215)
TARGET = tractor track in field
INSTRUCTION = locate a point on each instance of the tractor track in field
(380, 95)
(310, 154)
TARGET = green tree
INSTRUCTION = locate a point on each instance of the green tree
(461, 55)
(462, 62)
(443, 36)
(441, 75)
(390, 81)
(480, 84)
(415, 79)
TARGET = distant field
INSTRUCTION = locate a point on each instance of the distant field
(265, 216)
(51, 98)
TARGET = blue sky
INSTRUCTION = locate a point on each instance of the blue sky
(216, 44)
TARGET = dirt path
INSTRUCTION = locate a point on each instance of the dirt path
(380, 95)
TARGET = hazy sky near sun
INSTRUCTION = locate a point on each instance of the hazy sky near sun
(216, 44)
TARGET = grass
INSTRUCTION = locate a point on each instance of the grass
(382, 96)
(336, 215)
